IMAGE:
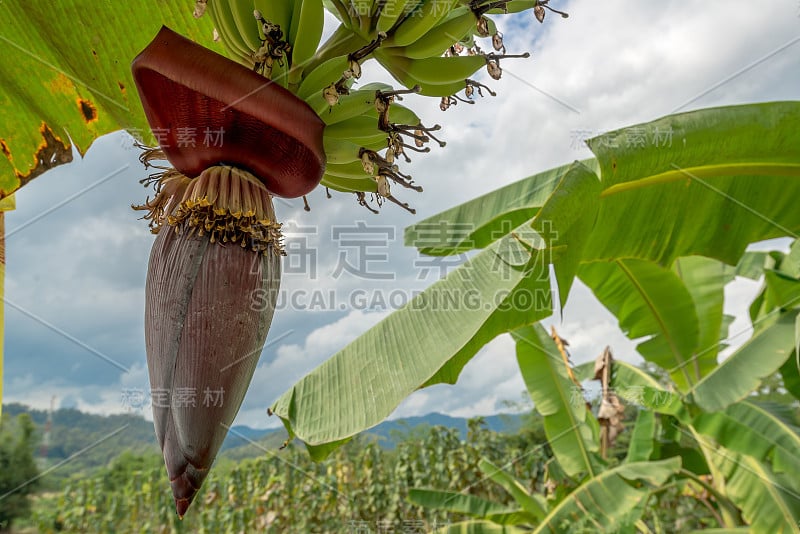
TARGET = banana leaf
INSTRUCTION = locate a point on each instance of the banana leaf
(567, 422)
(769, 502)
(742, 371)
(501, 288)
(759, 431)
(533, 504)
(706, 183)
(462, 503)
(611, 499)
(65, 76)
(652, 301)
(644, 433)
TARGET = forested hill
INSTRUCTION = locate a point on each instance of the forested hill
(92, 441)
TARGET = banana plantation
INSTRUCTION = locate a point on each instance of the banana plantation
(238, 105)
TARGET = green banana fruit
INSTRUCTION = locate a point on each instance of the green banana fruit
(349, 185)
(229, 34)
(459, 24)
(356, 103)
(354, 170)
(338, 151)
(420, 21)
(278, 12)
(391, 12)
(337, 10)
(322, 76)
(305, 33)
(436, 76)
(398, 114)
(246, 24)
(433, 70)
(360, 129)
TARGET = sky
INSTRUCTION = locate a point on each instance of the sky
(77, 254)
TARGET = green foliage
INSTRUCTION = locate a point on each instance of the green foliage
(89, 441)
(726, 184)
(361, 484)
(18, 471)
(56, 78)
(656, 239)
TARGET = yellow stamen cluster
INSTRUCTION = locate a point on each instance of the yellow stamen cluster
(228, 204)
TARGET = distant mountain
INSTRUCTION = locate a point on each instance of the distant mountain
(84, 442)
(390, 432)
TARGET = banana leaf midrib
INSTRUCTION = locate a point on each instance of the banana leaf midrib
(707, 171)
(657, 316)
(575, 424)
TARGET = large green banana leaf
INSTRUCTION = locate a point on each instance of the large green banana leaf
(609, 500)
(706, 183)
(567, 423)
(462, 503)
(769, 502)
(642, 437)
(705, 279)
(715, 181)
(754, 430)
(681, 308)
(741, 372)
(490, 216)
(507, 285)
(65, 75)
(533, 503)
(651, 301)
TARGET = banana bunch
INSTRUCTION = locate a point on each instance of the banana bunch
(429, 46)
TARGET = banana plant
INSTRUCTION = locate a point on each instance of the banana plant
(656, 230)
(280, 114)
(735, 457)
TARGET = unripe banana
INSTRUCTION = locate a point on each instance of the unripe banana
(278, 12)
(400, 114)
(280, 72)
(338, 10)
(226, 27)
(321, 77)
(436, 76)
(347, 185)
(484, 27)
(246, 25)
(420, 21)
(392, 11)
(458, 25)
(339, 151)
(305, 33)
(352, 105)
(434, 70)
(515, 6)
(362, 130)
(353, 170)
